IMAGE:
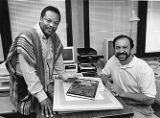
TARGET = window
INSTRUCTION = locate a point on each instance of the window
(19, 15)
(25, 14)
(148, 29)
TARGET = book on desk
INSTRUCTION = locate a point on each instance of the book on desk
(104, 100)
(83, 88)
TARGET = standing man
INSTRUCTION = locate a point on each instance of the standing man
(33, 57)
(133, 80)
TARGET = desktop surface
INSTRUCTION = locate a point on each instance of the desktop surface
(124, 112)
(62, 103)
(7, 109)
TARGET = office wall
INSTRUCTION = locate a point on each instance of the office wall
(109, 18)
(77, 24)
(24, 14)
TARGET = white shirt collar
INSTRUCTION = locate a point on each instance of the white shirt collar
(131, 64)
(39, 31)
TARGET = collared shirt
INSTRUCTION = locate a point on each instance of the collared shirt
(135, 77)
(34, 85)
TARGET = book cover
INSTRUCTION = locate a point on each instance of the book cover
(83, 88)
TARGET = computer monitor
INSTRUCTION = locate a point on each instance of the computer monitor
(68, 55)
(108, 49)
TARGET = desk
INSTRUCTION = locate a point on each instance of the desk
(6, 106)
(123, 113)
(8, 110)
(104, 112)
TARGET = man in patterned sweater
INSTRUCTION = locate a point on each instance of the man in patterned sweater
(33, 57)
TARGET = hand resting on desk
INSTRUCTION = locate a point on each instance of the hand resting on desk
(71, 79)
(70, 76)
(109, 84)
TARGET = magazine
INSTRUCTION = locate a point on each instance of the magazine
(83, 88)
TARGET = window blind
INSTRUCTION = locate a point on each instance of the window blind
(24, 14)
(107, 18)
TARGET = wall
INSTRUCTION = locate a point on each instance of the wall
(24, 15)
(77, 24)
(109, 18)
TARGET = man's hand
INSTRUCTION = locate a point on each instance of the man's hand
(69, 76)
(64, 76)
(120, 92)
(117, 91)
(106, 81)
(46, 107)
(71, 80)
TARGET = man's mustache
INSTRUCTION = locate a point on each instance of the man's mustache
(121, 54)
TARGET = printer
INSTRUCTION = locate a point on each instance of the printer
(87, 58)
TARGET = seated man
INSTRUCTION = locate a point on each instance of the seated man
(133, 79)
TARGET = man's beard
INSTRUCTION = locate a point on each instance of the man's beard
(122, 56)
